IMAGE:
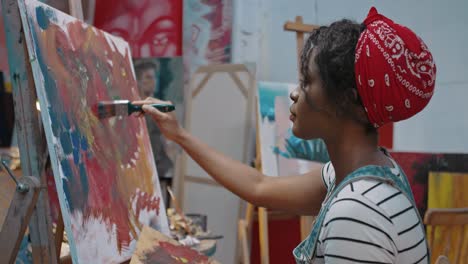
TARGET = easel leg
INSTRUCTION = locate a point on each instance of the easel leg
(17, 219)
(245, 254)
(263, 230)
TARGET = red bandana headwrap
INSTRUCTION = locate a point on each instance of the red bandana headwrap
(395, 72)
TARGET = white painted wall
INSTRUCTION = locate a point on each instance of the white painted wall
(442, 126)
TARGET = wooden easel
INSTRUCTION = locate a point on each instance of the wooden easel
(300, 28)
(199, 81)
(30, 204)
(245, 225)
(19, 213)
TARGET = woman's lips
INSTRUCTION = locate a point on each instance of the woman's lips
(292, 117)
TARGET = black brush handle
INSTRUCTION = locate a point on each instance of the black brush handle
(165, 108)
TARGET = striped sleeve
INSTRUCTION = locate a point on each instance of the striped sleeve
(328, 174)
(356, 230)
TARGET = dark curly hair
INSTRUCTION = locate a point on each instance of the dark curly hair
(334, 47)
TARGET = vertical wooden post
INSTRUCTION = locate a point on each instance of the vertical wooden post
(263, 235)
(31, 138)
(300, 28)
(299, 43)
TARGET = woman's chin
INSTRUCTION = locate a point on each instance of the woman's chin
(296, 131)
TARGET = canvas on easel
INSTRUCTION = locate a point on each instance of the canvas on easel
(207, 33)
(107, 183)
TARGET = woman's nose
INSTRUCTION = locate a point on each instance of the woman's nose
(294, 95)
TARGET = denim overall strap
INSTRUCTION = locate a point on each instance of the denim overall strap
(305, 251)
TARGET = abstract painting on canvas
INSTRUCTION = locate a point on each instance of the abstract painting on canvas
(106, 180)
(417, 167)
(448, 190)
(207, 33)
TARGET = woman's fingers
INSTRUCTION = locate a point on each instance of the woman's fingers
(155, 113)
(150, 100)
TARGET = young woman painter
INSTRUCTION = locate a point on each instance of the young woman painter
(355, 78)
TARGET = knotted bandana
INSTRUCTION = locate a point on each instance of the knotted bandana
(395, 71)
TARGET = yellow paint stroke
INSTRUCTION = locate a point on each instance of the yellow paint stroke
(448, 190)
(139, 176)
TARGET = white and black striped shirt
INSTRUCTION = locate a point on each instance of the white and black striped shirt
(370, 222)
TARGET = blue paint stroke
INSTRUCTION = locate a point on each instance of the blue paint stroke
(84, 144)
(75, 139)
(83, 180)
(44, 15)
(66, 142)
(42, 18)
(67, 181)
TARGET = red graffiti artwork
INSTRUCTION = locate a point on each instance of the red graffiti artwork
(152, 27)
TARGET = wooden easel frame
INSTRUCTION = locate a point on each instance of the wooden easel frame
(249, 92)
(33, 206)
(300, 28)
(245, 225)
(21, 208)
(209, 71)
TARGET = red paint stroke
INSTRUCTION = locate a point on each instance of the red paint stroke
(219, 47)
(147, 202)
(168, 253)
(87, 69)
(52, 193)
(152, 27)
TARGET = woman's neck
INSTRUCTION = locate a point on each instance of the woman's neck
(352, 148)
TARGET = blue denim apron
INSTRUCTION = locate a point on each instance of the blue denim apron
(305, 252)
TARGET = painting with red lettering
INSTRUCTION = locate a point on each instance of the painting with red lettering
(153, 28)
(106, 179)
(154, 247)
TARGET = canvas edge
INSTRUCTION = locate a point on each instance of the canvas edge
(42, 98)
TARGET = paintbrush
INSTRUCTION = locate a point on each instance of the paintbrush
(107, 109)
(178, 210)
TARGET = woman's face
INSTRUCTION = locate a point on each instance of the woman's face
(311, 111)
